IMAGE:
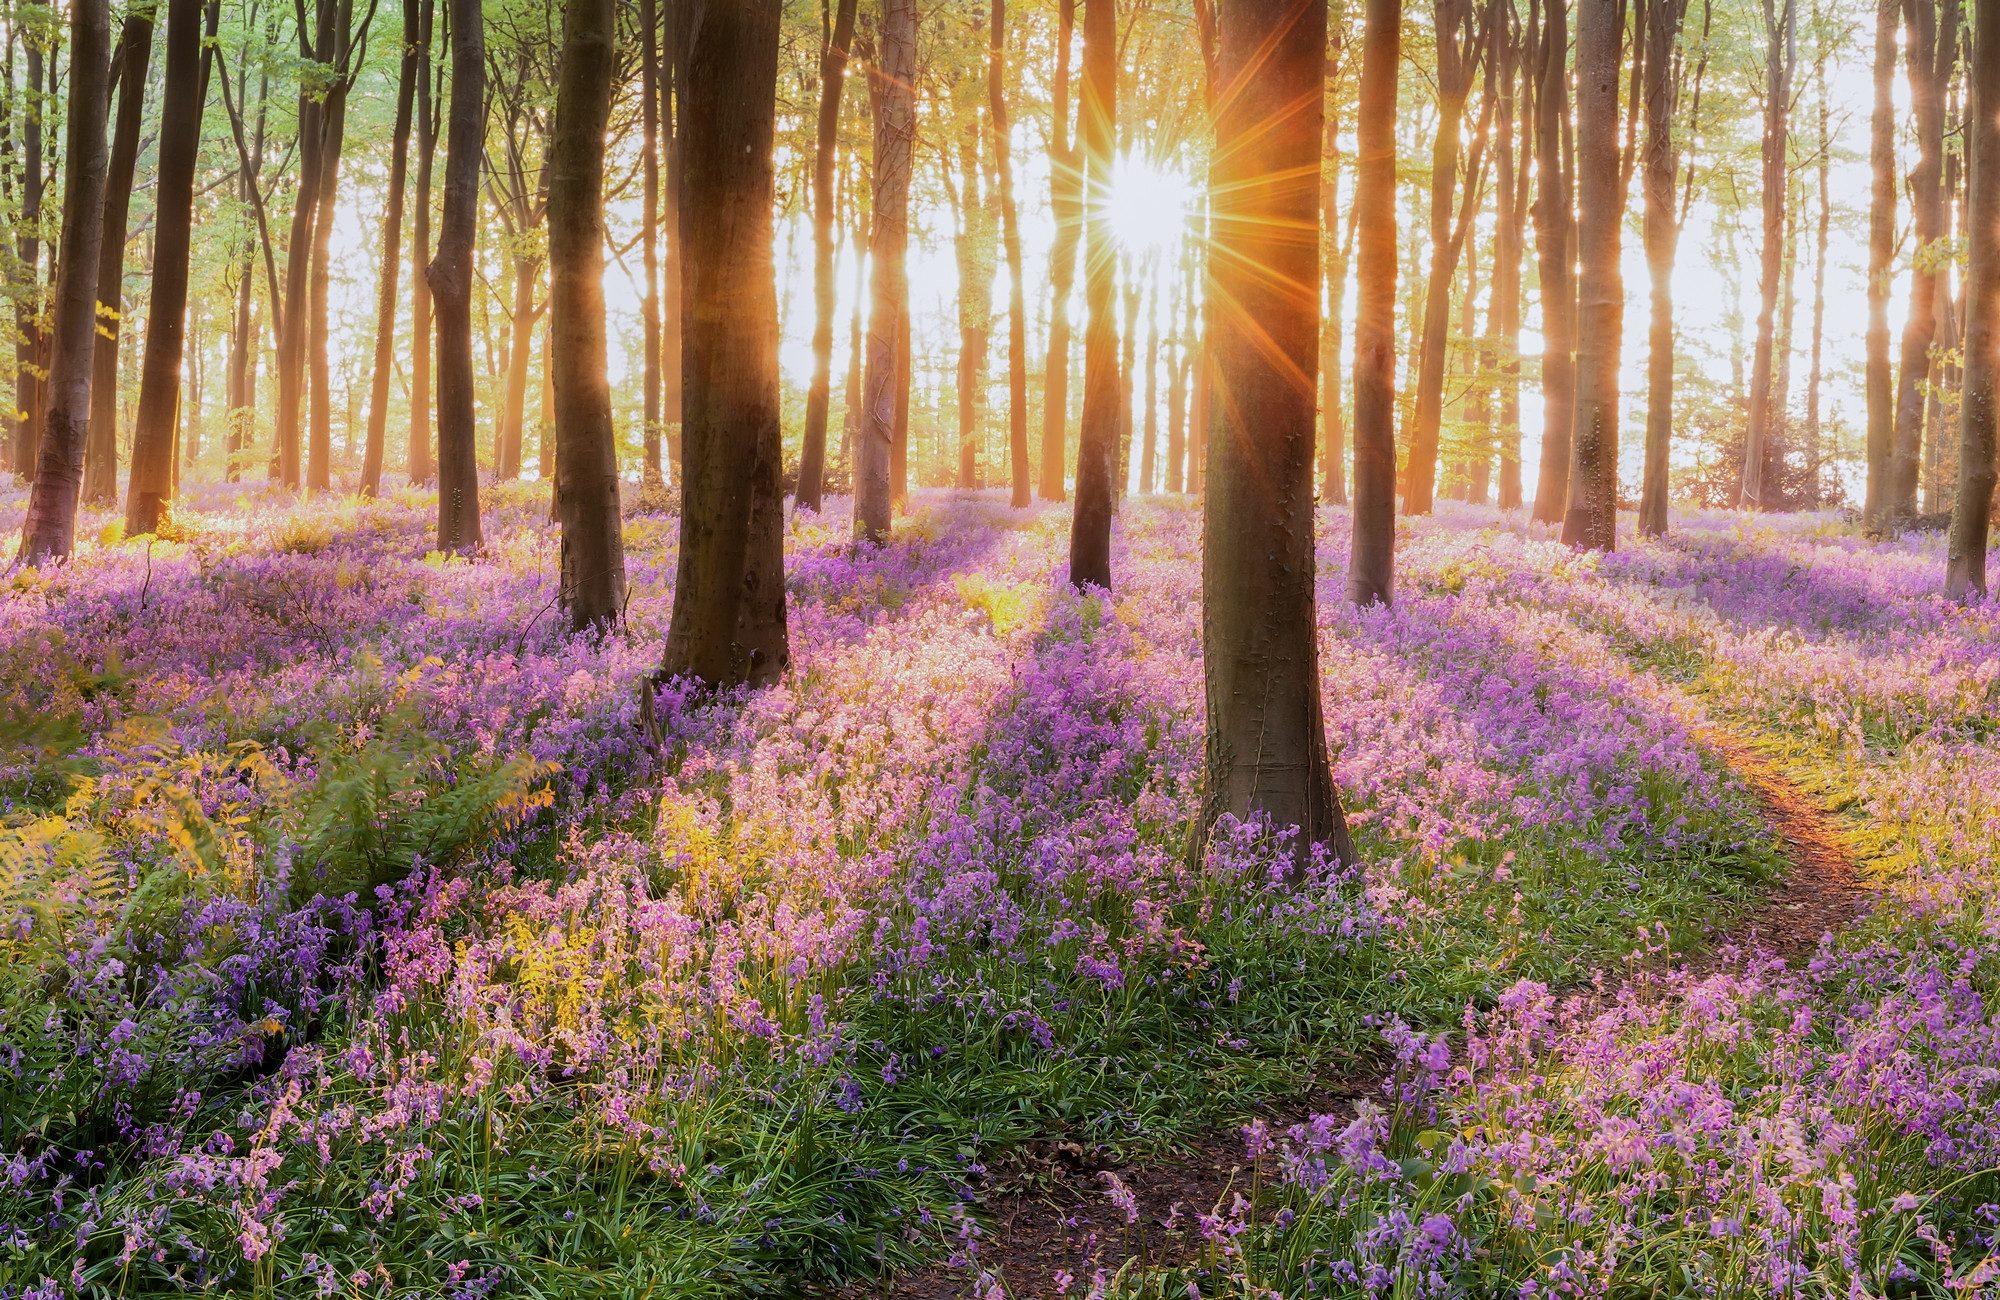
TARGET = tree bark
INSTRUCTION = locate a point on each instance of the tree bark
(1965, 564)
(1659, 171)
(150, 493)
(1265, 752)
(1591, 518)
(1010, 241)
(319, 378)
(129, 64)
(1759, 450)
(392, 253)
(1177, 380)
(891, 93)
(672, 99)
(451, 284)
(972, 246)
(27, 310)
(521, 342)
(728, 624)
(1333, 431)
(1149, 405)
(49, 530)
(1066, 203)
(1929, 59)
(836, 42)
(1503, 313)
(1372, 563)
(422, 469)
(1097, 439)
(586, 488)
(1881, 254)
(1815, 439)
(1555, 243)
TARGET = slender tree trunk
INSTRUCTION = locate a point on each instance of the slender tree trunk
(514, 411)
(1965, 565)
(243, 345)
(27, 309)
(1591, 518)
(1333, 431)
(1065, 200)
(1010, 243)
(1881, 254)
(1555, 242)
(586, 488)
(392, 253)
(1149, 419)
(1372, 563)
(1177, 381)
(1758, 450)
(422, 469)
(1097, 440)
(151, 489)
(451, 284)
(891, 93)
(652, 364)
(129, 63)
(1658, 173)
(1928, 58)
(1266, 751)
(1503, 313)
(973, 246)
(837, 39)
(850, 418)
(728, 624)
(1815, 442)
(289, 433)
(49, 531)
(319, 377)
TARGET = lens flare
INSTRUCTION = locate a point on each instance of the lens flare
(1147, 205)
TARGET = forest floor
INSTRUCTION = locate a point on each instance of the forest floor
(358, 939)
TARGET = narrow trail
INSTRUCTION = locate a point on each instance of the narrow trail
(1055, 1210)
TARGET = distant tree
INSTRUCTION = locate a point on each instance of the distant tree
(728, 625)
(450, 277)
(1555, 245)
(29, 337)
(422, 467)
(1010, 243)
(886, 384)
(1266, 752)
(1766, 412)
(1097, 440)
(837, 38)
(1659, 176)
(49, 531)
(392, 252)
(1965, 568)
(1372, 563)
(1066, 205)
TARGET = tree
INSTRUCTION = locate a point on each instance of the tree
(1659, 172)
(49, 531)
(1010, 242)
(1333, 260)
(652, 381)
(392, 252)
(1372, 562)
(1066, 203)
(586, 489)
(1266, 753)
(1503, 314)
(1555, 247)
(128, 69)
(1881, 253)
(1929, 53)
(152, 485)
(1965, 566)
(892, 92)
(1591, 518)
(1781, 52)
(421, 467)
(973, 222)
(27, 309)
(837, 37)
(1097, 439)
(450, 277)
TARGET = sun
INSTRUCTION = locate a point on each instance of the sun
(1147, 205)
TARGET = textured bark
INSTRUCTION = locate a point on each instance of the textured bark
(586, 487)
(1759, 449)
(151, 490)
(1010, 242)
(1265, 751)
(838, 39)
(49, 531)
(450, 276)
(1659, 172)
(1965, 564)
(1928, 53)
(392, 255)
(27, 430)
(1881, 254)
(289, 431)
(1097, 438)
(1372, 564)
(887, 380)
(1591, 517)
(1065, 200)
(1555, 246)
(728, 625)
(421, 467)
(129, 63)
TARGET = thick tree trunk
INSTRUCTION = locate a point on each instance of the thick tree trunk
(891, 93)
(728, 624)
(838, 39)
(451, 285)
(1097, 439)
(1065, 200)
(392, 254)
(134, 54)
(49, 531)
(151, 491)
(1965, 564)
(1555, 243)
(1010, 243)
(1372, 564)
(422, 468)
(586, 488)
(1759, 451)
(26, 420)
(1591, 518)
(1659, 170)
(1881, 254)
(1928, 58)
(1266, 752)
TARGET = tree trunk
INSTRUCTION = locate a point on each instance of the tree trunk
(586, 488)
(1097, 439)
(972, 246)
(151, 491)
(319, 435)
(1177, 380)
(837, 39)
(129, 63)
(1591, 519)
(1759, 437)
(1266, 752)
(1965, 564)
(392, 253)
(1881, 254)
(1065, 201)
(49, 530)
(1555, 245)
(521, 336)
(891, 94)
(1503, 313)
(451, 284)
(1929, 59)
(422, 469)
(672, 97)
(728, 624)
(27, 307)
(1815, 443)
(1658, 173)
(289, 432)
(1333, 432)
(1372, 563)
(1010, 242)
(1149, 417)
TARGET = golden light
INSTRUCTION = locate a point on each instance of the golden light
(1147, 205)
